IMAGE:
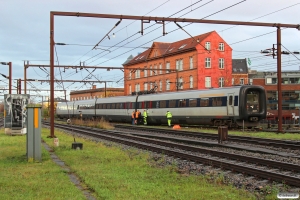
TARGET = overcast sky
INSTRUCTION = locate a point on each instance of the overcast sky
(25, 25)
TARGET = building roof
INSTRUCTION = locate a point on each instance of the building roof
(239, 66)
(97, 90)
(165, 49)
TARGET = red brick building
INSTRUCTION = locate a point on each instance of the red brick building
(290, 86)
(203, 61)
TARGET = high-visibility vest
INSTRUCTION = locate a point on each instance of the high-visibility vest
(132, 115)
(145, 114)
(137, 114)
(169, 115)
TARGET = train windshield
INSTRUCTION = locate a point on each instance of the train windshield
(253, 101)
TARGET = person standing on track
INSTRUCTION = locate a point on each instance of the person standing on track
(169, 118)
(133, 117)
(145, 115)
(137, 116)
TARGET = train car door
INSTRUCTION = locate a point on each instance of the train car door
(230, 104)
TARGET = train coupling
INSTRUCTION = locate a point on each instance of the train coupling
(253, 119)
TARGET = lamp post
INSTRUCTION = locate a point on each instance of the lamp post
(9, 76)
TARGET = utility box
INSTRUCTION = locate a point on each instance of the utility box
(222, 133)
(33, 140)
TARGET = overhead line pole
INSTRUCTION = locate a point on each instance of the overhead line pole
(131, 17)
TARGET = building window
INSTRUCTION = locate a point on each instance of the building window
(155, 70)
(232, 81)
(180, 83)
(150, 70)
(167, 84)
(179, 64)
(241, 81)
(145, 86)
(221, 63)
(168, 67)
(208, 82)
(207, 62)
(145, 72)
(191, 82)
(207, 45)
(221, 82)
(160, 85)
(191, 62)
(160, 68)
(137, 73)
(221, 46)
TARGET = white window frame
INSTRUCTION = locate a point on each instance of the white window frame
(180, 64)
(145, 72)
(221, 82)
(160, 85)
(191, 82)
(208, 82)
(155, 70)
(145, 86)
(150, 70)
(177, 64)
(207, 62)
(191, 62)
(207, 45)
(137, 73)
(180, 83)
(242, 81)
(167, 67)
(221, 46)
(221, 63)
(160, 68)
(167, 84)
(232, 81)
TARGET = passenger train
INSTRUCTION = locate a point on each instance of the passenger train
(231, 106)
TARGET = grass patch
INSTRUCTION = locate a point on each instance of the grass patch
(100, 123)
(23, 180)
(117, 174)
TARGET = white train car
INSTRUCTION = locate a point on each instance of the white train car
(231, 106)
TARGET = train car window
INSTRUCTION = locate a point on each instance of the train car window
(140, 105)
(217, 101)
(230, 100)
(133, 105)
(156, 104)
(128, 105)
(113, 106)
(163, 104)
(117, 105)
(172, 103)
(104, 106)
(204, 102)
(182, 103)
(93, 106)
(146, 104)
(192, 102)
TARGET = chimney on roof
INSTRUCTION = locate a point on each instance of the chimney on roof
(94, 87)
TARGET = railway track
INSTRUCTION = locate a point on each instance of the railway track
(287, 144)
(266, 169)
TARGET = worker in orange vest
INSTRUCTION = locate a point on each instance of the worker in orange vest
(133, 117)
(137, 116)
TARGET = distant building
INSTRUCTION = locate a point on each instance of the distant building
(96, 93)
(239, 72)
